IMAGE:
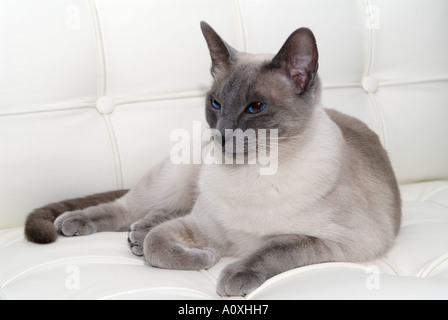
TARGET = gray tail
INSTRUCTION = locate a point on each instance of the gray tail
(39, 226)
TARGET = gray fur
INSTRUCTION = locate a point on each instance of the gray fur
(334, 197)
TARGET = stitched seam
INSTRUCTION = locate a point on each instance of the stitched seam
(348, 85)
(115, 151)
(163, 97)
(433, 193)
(413, 81)
(118, 103)
(433, 266)
(102, 90)
(157, 289)
(371, 42)
(101, 56)
(27, 270)
(347, 266)
(240, 26)
(201, 93)
(382, 132)
(25, 113)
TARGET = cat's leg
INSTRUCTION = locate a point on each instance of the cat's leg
(141, 228)
(166, 186)
(179, 244)
(277, 254)
(113, 216)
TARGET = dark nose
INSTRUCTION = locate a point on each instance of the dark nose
(221, 135)
(221, 138)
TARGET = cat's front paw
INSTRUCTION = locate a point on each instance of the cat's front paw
(238, 280)
(137, 234)
(161, 250)
(74, 223)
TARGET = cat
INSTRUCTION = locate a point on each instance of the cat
(334, 196)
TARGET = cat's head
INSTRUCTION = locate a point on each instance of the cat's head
(263, 91)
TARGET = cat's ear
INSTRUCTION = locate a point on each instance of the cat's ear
(298, 58)
(221, 53)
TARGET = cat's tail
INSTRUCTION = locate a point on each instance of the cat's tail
(39, 226)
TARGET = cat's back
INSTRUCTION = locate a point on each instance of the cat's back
(364, 145)
(363, 142)
(354, 131)
(369, 162)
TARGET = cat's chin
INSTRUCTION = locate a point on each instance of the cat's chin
(235, 155)
(239, 158)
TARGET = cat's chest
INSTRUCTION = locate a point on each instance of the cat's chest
(243, 200)
(245, 187)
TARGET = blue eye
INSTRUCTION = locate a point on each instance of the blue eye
(256, 107)
(216, 104)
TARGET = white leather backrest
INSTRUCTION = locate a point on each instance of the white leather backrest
(91, 90)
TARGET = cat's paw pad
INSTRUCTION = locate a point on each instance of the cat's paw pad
(137, 234)
(75, 223)
(236, 280)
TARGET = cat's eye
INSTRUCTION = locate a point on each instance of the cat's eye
(216, 104)
(256, 107)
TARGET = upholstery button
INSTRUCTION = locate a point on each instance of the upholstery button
(370, 84)
(105, 105)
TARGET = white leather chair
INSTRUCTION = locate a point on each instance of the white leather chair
(91, 90)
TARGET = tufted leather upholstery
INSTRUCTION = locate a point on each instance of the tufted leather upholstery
(91, 90)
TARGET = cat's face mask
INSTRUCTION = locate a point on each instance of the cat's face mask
(256, 99)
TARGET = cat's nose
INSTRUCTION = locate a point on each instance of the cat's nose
(224, 131)
(222, 136)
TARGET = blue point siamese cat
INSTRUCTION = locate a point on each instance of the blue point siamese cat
(334, 196)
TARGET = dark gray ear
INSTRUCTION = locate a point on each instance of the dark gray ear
(220, 52)
(298, 58)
